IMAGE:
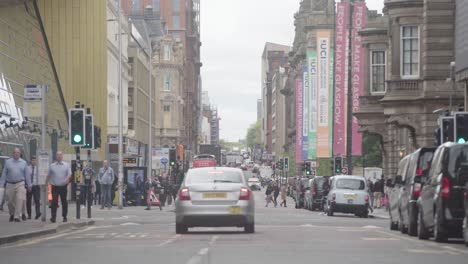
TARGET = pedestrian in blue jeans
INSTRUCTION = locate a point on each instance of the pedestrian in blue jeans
(106, 178)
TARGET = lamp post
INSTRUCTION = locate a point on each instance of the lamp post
(120, 111)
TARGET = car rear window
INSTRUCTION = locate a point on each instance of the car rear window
(212, 176)
(457, 156)
(351, 184)
(425, 159)
(254, 180)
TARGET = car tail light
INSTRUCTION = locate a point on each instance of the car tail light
(314, 191)
(417, 187)
(184, 194)
(366, 199)
(419, 172)
(445, 190)
(334, 197)
(244, 194)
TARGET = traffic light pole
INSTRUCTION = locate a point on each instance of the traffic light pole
(77, 183)
(120, 111)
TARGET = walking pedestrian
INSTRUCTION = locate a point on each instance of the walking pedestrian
(276, 192)
(284, 193)
(87, 185)
(378, 194)
(59, 178)
(268, 195)
(35, 193)
(106, 179)
(370, 190)
(15, 175)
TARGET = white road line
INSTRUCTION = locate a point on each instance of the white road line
(428, 251)
(456, 249)
(169, 241)
(213, 240)
(198, 258)
(380, 239)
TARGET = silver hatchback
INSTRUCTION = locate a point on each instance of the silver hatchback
(214, 197)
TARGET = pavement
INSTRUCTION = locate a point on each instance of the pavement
(283, 235)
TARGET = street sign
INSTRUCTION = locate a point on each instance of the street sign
(344, 170)
(33, 92)
(43, 167)
(164, 160)
(314, 164)
(33, 100)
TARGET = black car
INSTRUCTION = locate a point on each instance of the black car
(318, 191)
(301, 187)
(441, 204)
(418, 167)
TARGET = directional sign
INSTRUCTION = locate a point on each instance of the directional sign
(164, 160)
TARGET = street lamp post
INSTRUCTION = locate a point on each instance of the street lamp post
(120, 111)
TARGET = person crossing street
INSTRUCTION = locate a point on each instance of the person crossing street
(59, 177)
(15, 176)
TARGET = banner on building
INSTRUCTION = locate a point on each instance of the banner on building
(299, 118)
(359, 22)
(341, 62)
(324, 86)
(305, 113)
(312, 103)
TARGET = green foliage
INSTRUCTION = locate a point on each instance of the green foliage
(254, 136)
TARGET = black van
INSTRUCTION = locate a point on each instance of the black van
(441, 204)
(419, 165)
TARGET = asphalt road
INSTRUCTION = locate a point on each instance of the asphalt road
(283, 235)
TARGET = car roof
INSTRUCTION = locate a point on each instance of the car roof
(216, 168)
(349, 177)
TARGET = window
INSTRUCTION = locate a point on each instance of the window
(156, 6)
(167, 82)
(130, 123)
(176, 36)
(410, 51)
(377, 72)
(175, 5)
(167, 108)
(136, 5)
(176, 21)
(167, 52)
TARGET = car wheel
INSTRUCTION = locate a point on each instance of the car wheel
(423, 233)
(181, 228)
(330, 211)
(249, 228)
(412, 223)
(365, 214)
(439, 232)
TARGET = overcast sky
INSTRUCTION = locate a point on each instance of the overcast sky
(233, 35)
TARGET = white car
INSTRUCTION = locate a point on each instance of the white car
(348, 194)
(254, 184)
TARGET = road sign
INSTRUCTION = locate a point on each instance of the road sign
(344, 170)
(33, 100)
(314, 164)
(164, 160)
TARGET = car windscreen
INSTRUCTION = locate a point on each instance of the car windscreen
(213, 176)
(457, 156)
(351, 184)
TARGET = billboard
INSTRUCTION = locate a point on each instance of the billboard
(299, 118)
(305, 113)
(341, 62)
(312, 103)
(324, 84)
(357, 75)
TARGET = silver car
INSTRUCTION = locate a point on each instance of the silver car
(348, 194)
(214, 197)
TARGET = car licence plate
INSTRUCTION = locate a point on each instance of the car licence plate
(214, 195)
(234, 210)
(350, 196)
(350, 201)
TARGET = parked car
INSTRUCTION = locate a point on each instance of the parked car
(418, 167)
(214, 197)
(348, 194)
(394, 186)
(254, 184)
(441, 203)
(314, 195)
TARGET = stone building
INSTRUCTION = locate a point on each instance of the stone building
(409, 51)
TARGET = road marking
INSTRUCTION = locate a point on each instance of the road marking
(455, 249)
(169, 241)
(371, 227)
(380, 239)
(307, 225)
(213, 240)
(430, 251)
(197, 258)
(130, 224)
(37, 240)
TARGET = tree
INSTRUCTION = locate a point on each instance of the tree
(254, 136)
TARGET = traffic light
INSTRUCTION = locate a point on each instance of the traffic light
(446, 129)
(307, 168)
(89, 132)
(286, 164)
(279, 164)
(461, 127)
(76, 126)
(337, 165)
(172, 157)
(97, 137)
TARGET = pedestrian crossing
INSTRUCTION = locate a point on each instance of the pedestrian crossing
(115, 235)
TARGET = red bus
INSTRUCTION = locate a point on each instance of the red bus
(202, 161)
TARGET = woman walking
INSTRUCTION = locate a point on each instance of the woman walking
(268, 195)
(284, 192)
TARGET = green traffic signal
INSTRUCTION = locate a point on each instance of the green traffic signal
(77, 138)
(461, 141)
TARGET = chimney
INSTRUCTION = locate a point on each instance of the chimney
(148, 11)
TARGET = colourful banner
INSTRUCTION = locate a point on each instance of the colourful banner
(313, 111)
(299, 120)
(305, 113)
(324, 90)
(359, 22)
(339, 107)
